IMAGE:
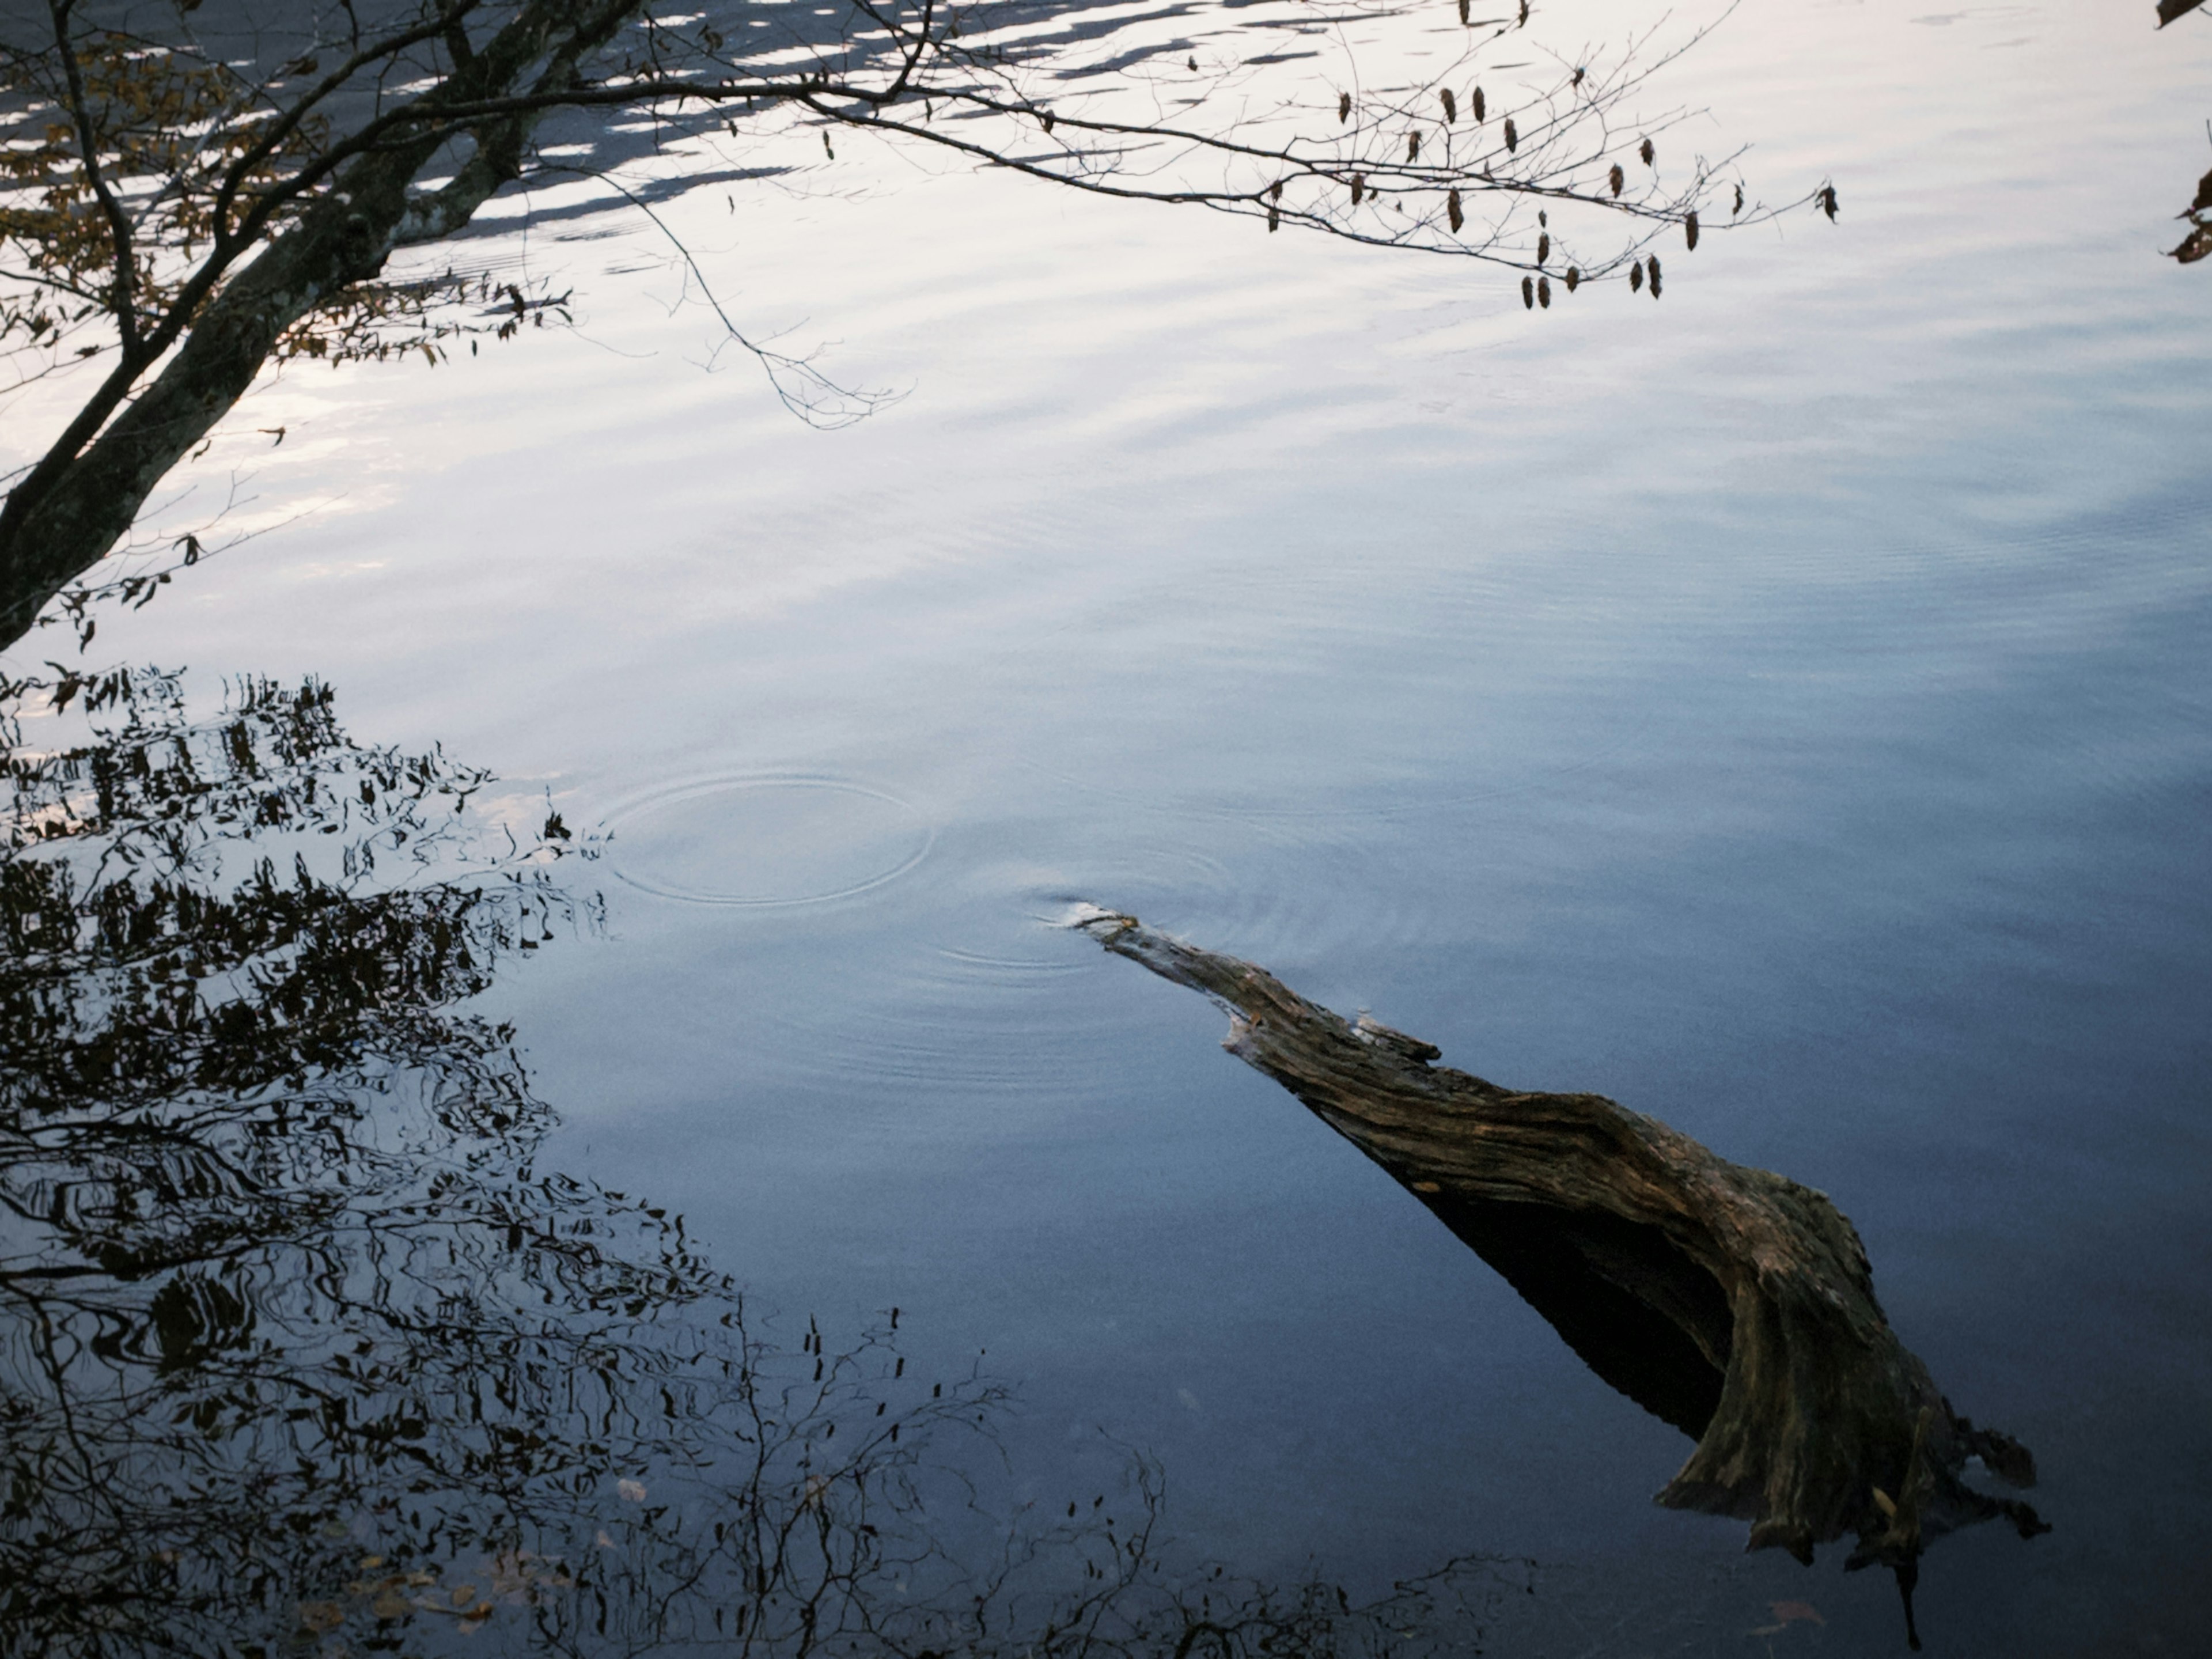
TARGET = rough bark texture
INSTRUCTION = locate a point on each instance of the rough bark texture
(1731, 1302)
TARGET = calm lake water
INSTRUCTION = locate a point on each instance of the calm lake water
(1786, 708)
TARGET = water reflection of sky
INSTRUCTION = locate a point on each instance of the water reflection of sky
(1783, 708)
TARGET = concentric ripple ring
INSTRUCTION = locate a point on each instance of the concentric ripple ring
(758, 840)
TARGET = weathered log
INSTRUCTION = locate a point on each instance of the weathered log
(1731, 1302)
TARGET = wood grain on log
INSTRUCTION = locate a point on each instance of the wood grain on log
(1731, 1302)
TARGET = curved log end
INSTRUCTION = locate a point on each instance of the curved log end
(1732, 1301)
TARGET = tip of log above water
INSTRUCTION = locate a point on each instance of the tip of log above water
(1730, 1301)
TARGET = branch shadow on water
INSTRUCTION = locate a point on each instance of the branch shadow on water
(305, 1351)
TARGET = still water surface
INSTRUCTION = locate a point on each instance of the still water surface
(1786, 709)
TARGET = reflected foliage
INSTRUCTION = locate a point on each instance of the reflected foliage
(304, 1350)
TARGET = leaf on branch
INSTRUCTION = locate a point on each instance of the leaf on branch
(1344, 106)
(1412, 146)
(1636, 277)
(1650, 153)
(1359, 187)
(2195, 246)
(1512, 138)
(1451, 106)
(1738, 208)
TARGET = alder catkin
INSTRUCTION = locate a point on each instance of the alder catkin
(1344, 108)
(1527, 294)
(1452, 211)
(1544, 292)
(1690, 231)
(1543, 247)
(1476, 98)
(1512, 138)
(1650, 153)
(1574, 279)
(1653, 262)
(1616, 178)
(1451, 107)
(1636, 278)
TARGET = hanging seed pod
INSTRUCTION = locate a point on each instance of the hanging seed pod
(1690, 232)
(1653, 262)
(1527, 294)
(1475, 98)
(1451, 107)
(1543, 247)
(1512, 138)
(1616, 178)
(1636, 278)
(1452, 212)
(1344, 106)
(1466, 16)
(1412, 146)
(1574, 279)
(1359, 188)
(1544, 292)
(1650, 153)
(1738, 208)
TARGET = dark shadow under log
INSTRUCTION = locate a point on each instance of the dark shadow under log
(1733, 1303)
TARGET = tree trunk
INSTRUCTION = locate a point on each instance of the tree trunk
(78, 502)
(1736, 1305)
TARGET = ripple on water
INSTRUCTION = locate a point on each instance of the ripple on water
(765, 841)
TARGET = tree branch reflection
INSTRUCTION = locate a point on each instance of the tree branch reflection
(304, 1349)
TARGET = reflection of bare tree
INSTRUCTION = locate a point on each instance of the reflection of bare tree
(301, 1346)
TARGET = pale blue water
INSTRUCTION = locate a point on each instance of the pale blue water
(1786, 709)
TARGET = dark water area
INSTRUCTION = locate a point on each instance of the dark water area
(572, 936)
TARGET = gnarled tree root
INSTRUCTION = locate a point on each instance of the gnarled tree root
(1733, 1302)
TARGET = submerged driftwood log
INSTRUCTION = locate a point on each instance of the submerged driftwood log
(1733, 1303)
